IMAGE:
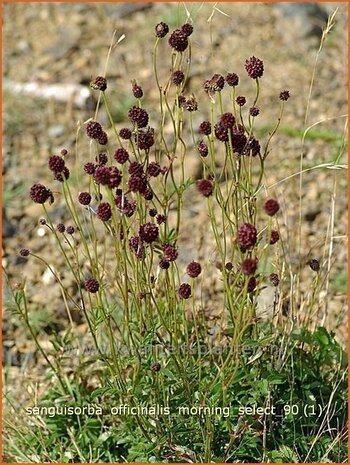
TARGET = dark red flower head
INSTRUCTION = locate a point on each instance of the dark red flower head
(241, 100)
(94, 130)
(205, 128)
(61, 228)
(138, 116)
(202, 149)
(254, 111)
(56, 163)
(178, 40)
(254, 67)
(161, 29)
(102, 175)
(148, 232)
(271, 207)
(249, 266)
(84, 198)
(24, 252)
(104, 211)
(274, 279)
(89, 168)
(178, 77)
(115, 177)
(232, 79)
(137, 247)
(247, 235)
(284, 95)
(184, 291)
(274, 237)
(155, 367)
(153, 169)
(137, 90)
(39, 193)
(193, 269)
(215, 84)
(99, 83)
(145, 139)
(137, 183)
(135, 169)
(187, 29)
(170, 252)
(103, 138)
(91, 285)
(314, 264)
(121, 156)
(64, 174)
(125, 133)
(164, 264)
(205, 187)
(227, 120)
(70, 230)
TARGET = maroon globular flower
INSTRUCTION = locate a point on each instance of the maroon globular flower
(178, 77)
(89, 167)
(94, 130)
(184, 291)
(221, 133)
(254, 67)
(202, 149)
(252, 147)
(241, 100)
(147, 194)
(252, 283)
(314, 264)
(145, 139)
(187, 29)
(43, 222)
(249, 266)
(178, 40)
(121, 156)
(193, 269)
(137, 90)
(102, 159)
(153, 212)
(205, 187)
(84, 198)
(161, 29)
(135, 169)
(64, 152)
(91, 285)
(125, 133)
(104, 211)
(284, 95)
(247, 235)
(115, 177)
(137, 247)
(63, 175)
(205, 128)
(170, 252)
(254, 111)
(56, 163)
(160, 218)
(99, 83)
(103, 138)
(271, 207)
(70, 230)
(138, 116)
(191, 104)
(274, 279)
(155, 367)
(274, 237)
(215, 84)
(239, 143)
(102, 175)
(181, 101)
(24, 252)
(227, 120)
(153, 169)
(61, 228)
(148, 232)
(229, 266)
(232, 79)
(137, 183)
(164, 264)
(40, 193)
